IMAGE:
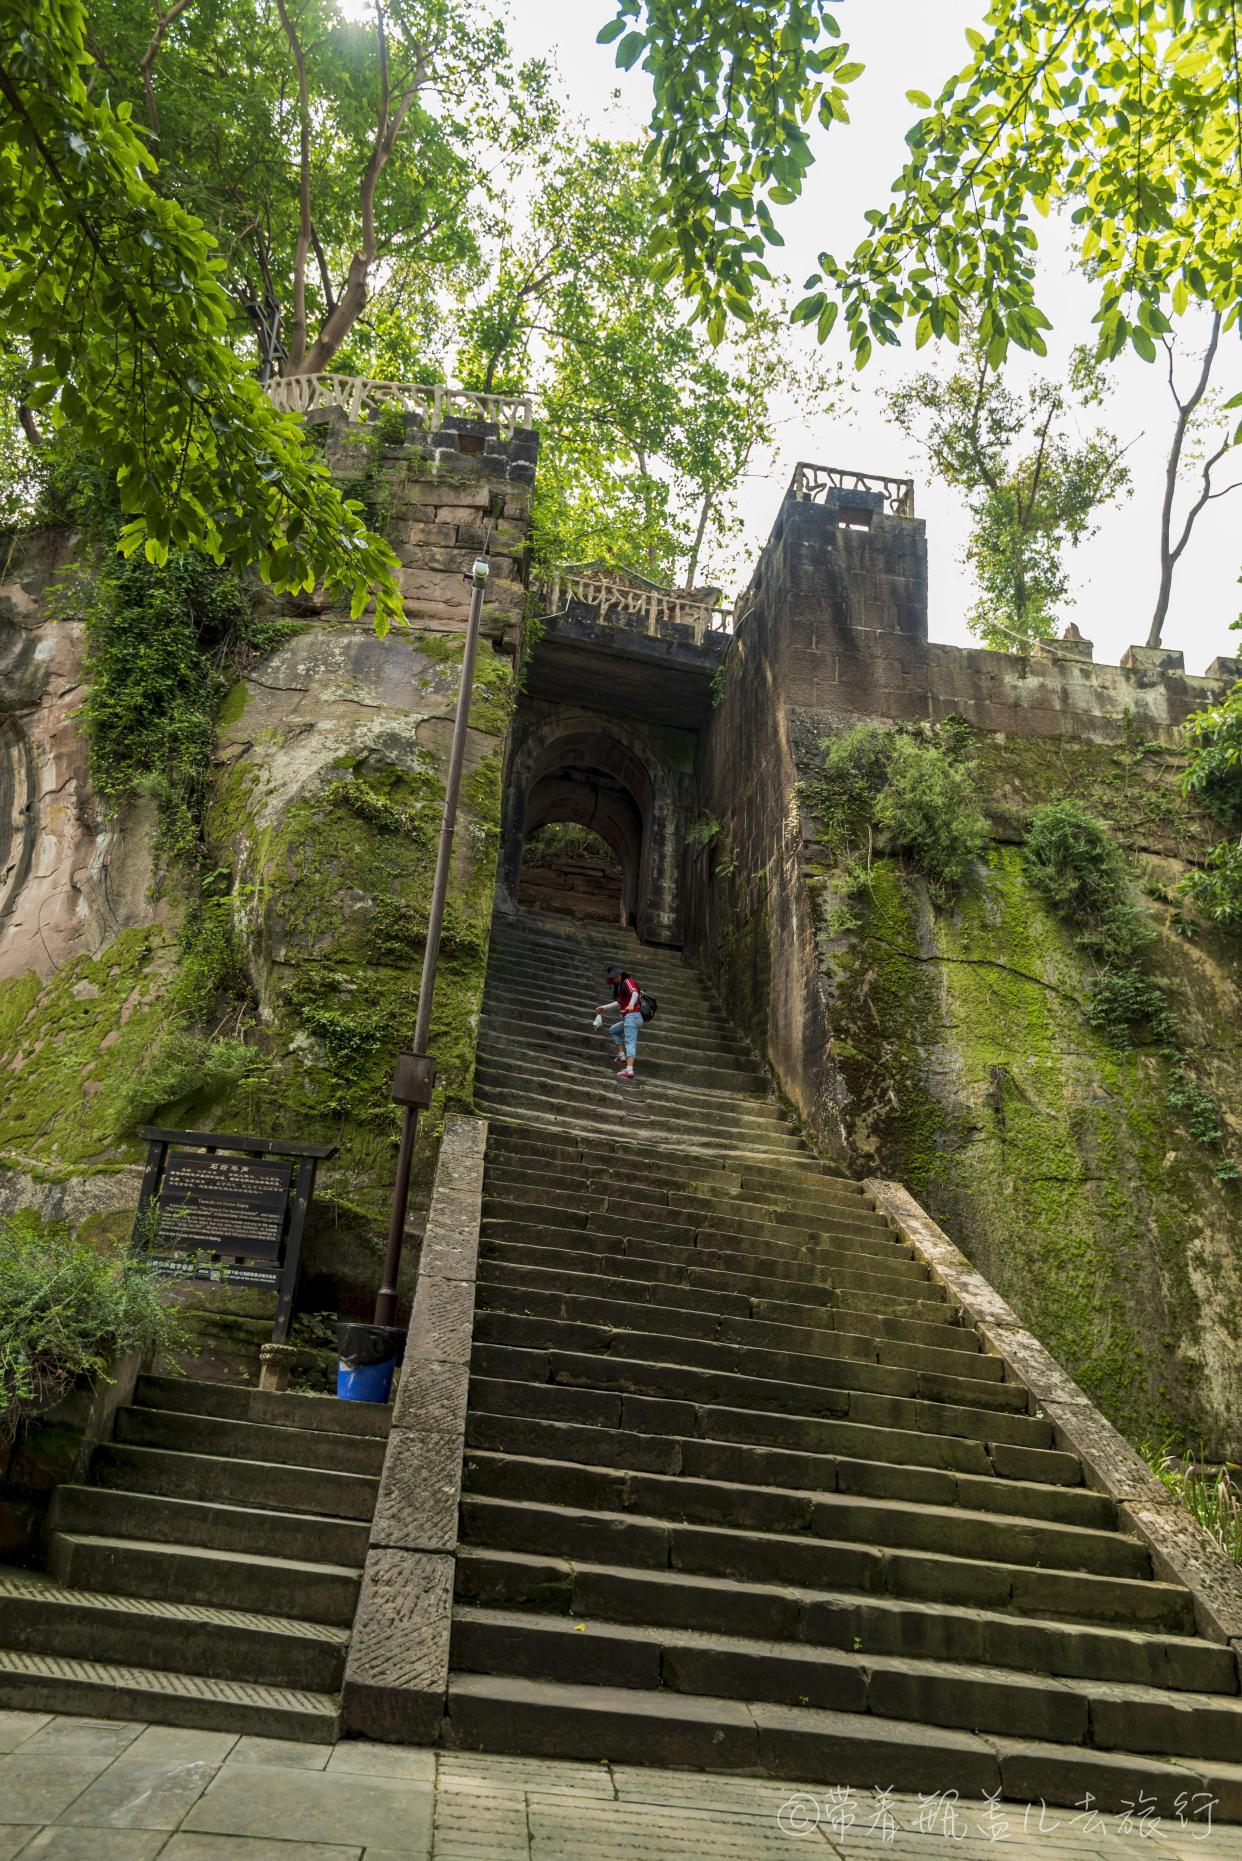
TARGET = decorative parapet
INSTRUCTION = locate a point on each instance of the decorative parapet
(299, 394)
(812, 484)
(655, 608)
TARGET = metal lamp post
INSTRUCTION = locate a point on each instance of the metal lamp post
(415, 1074)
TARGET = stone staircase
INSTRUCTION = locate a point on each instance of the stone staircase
(208, 1573)
(742, 1490)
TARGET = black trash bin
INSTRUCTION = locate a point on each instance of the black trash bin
(368, 1356)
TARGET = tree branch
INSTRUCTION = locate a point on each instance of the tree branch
(297, 328)
(1169, 555)
(162, 22)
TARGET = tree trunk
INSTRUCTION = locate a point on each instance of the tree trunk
(1169, 551)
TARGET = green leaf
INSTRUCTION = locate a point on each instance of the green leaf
(1142, 343)
(631, 49)
(920, 98)
(611, 31)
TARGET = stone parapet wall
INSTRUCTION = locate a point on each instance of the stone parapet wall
(851, 606)
(442, 498)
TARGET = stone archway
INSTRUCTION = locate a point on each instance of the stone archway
(577, 766)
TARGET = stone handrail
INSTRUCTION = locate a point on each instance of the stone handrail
(298, 394)
(657, 606)
(810, 482)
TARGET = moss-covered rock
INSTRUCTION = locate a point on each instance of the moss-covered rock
(963, 1063)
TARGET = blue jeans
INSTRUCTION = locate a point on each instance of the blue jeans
(627, 1029)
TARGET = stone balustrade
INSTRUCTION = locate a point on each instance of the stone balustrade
(656, 608)
(812, 483)
(299, 394)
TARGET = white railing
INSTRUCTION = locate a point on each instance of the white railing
(298, 394)
(655, 607)
(810, 482)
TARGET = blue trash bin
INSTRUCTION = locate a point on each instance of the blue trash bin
(368, 1356)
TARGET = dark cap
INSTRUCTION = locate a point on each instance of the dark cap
(615, 969)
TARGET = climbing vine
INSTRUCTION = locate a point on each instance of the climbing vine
(1214, 778)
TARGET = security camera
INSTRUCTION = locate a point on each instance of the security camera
(480, 571)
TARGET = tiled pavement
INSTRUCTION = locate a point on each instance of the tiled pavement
(107, 1790)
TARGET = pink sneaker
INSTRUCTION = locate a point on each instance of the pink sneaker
(626, 1073)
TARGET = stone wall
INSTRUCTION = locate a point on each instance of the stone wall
(945, 1043)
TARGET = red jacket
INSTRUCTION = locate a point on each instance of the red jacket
(627, 995)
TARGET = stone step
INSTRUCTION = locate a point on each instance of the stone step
(502, 1031)
(780, 1260)
(686, 1383)
(38, 1682)
(748, 1464)
(917, 1446)
(235, 1482)
(534, 1019)
(828, 1339)
(109, 1512)
(218, 1435)
(559, 1250)
(830, 1196)
(905, 1523)
(1113, 1716)
(676, 1109)
(649, 1201)
(548, 1718)
(238, 1402)
(560, 1113)
(40, 1617)
(642, 1542)
(840, 1310)
(801, 1169)
(194, 1574)
(810, 1616)
(834, 1371)
(612, 1214)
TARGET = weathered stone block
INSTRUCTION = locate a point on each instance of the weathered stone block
(431, 1395)
(397, 1673)
(1152, 659)
(417, 1505)
(422, 531)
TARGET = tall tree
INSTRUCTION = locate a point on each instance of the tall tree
(335, 158)
(647, 428)
(1033, 487)
(111, 293)
(1188, 449)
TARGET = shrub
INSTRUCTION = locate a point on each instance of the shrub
(66, 1313)
(182, 1063)
(890, 789)
(928, 811)
(1071, 859)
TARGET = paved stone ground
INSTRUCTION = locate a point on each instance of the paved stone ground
(107, 1790)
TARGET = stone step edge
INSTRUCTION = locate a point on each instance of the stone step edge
(40, 1589)
(1131, 1692)
(878, 1505)
(739, 1533)
(142, 1498)
(912, 1607)
(253, 1560)
(605, 1724)
(956, 1508)
(804, 1163)
(164, 1696)
(236, 1460)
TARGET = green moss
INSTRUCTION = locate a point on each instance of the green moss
(70, 1047)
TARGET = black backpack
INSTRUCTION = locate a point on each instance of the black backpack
(647, 1006)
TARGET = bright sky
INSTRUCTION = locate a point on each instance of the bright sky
(911, 44)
